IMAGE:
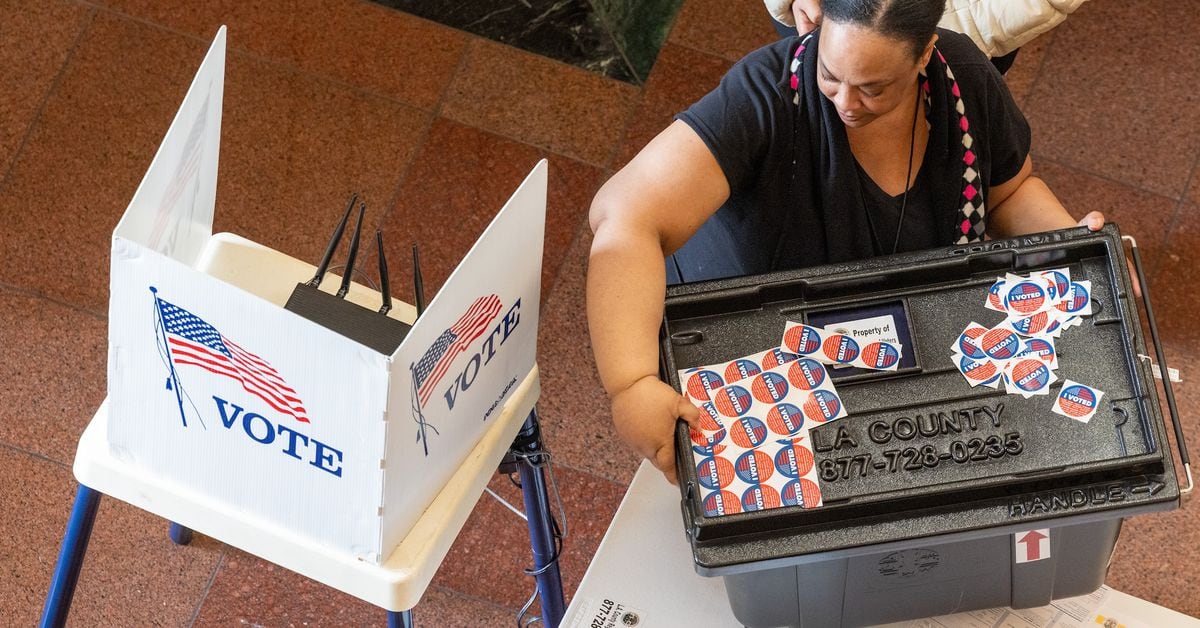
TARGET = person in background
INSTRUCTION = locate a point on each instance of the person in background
(876, 133)
(998, 27)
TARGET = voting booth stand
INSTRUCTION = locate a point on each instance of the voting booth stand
(231, 415)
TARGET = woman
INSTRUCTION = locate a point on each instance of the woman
(875, 134)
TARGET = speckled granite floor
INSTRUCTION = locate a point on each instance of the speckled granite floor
(434, 122)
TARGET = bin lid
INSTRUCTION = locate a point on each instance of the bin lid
(921, 452)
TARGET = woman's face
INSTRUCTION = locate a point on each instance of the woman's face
(865, 74)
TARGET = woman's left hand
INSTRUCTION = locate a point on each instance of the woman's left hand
(1094, 221)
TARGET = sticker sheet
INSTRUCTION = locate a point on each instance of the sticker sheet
(836, 349)
(753, 450)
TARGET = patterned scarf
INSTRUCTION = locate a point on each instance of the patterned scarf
(950, 138)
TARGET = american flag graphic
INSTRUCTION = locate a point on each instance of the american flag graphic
(432, 366)
(193, 342)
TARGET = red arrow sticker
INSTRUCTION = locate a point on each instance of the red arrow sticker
(1032, 545)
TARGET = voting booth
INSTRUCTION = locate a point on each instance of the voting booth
(227, 393)
(231, 411)
(921, 481)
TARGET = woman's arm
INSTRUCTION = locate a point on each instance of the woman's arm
(642, 214)
(1024, 204)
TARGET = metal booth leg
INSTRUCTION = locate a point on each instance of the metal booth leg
(179, 534)
(528, 454)
(400, 619)
(70, 558)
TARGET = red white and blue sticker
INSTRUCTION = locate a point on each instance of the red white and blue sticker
(840, 349)
(822, 406)
(978, 372)
(1035, 324)
(1026, 297)
(740, 369)
(881, 356)
(700, 383)
(760, 497)
(1041, 348)
(754, 466)
(1077, 401)
(807, 374)
(802, 340)
(748, 432)
(1029, 376)
(1000, 343)
(1059, 280)
(1078, 300)
(801, 492)
(967, 343)
(769, 387)
(714, 472)
(785, 419)
(732, 401)
(995, 297)
(719, 503)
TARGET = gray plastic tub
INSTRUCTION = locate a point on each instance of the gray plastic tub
(895, 541)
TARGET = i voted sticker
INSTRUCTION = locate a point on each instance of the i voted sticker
(795, 459)
(760, 497)
(785, 419)
(769, 387)
(807, 374)
(720, 503)
(1059, 280)
(995, 297)
(754, 466)
(714, 472)
(802, 340)
(1026, 297)
(732, 401)
(748, 432)
(707, 444)
(1078, 300)
(822, 405)
(840, 348)
(1000, 343)
(741, 369)
(1041, 348)
(777, 357)
(801, 492)
(1077, 401)
(1030, 376)
(710, 419)
(881, 356)
(978, 372)
(1034, 324)
(968, 341)
(701, 383)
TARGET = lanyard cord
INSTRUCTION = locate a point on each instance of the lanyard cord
(912, 141)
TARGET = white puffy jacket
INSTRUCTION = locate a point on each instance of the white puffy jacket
(997, 26)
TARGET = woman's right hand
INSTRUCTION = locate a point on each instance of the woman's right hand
(645, 414)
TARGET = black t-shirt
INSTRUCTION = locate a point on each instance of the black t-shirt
(755, 132)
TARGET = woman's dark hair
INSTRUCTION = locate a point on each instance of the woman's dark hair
(910, 21)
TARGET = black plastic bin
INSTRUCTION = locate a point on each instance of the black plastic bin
(903, 541)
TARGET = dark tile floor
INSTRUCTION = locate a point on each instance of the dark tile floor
(436, 127)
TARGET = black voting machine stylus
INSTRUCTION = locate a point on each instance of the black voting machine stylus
(369, 327)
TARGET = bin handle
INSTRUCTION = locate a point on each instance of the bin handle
(1162, 361)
